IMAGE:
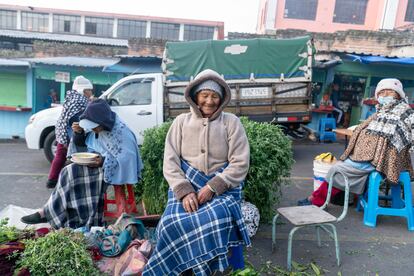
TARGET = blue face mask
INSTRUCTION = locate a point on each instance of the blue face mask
(386, 100)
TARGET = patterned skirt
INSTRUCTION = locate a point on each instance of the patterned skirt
(77, 199)
(200, 240)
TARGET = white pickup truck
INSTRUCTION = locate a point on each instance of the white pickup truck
(270, 81)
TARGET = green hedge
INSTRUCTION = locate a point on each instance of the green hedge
(270, 161)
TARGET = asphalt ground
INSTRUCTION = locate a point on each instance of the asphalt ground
(387, 249)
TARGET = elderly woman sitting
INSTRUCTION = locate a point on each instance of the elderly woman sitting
(381, 143)
(206, 159)
(78, 197)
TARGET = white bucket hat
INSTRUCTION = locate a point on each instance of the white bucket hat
(393, 84)
(81, 83)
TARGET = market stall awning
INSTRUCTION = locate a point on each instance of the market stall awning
(135, 65)
(13, 63)
(379, 59)
(72, 61)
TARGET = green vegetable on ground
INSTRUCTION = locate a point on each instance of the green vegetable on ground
(7, 233)
(61, 252)
(268, 268)
(11, 233)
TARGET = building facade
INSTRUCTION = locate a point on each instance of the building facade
(109, 25)
(334, 15)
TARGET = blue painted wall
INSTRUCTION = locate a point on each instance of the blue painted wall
(13, 123)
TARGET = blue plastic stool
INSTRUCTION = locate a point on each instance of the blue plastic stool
(236, 259)
(399, 207)
(325, 135)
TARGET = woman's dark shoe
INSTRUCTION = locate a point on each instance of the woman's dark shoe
(33, 219)
(51, 184)
(304, 202)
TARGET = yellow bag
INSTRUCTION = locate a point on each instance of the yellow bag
(326, 157)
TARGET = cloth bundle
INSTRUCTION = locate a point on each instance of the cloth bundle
(116, 238)
(131, 262)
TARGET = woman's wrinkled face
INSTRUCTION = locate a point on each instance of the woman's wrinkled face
(208, 102)
(97, 129)
(388, 93)
(88, 93)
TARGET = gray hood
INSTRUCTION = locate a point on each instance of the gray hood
(208, 74)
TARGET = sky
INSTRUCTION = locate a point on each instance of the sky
(237, 15)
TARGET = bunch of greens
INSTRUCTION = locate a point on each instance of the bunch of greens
(153, 187)
(270, 161)
(268, 268)
(61, 252)
(8, 233)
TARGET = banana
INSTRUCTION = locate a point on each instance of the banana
(327, 157)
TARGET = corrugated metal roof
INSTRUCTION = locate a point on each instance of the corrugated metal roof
(73, 61)
(139, 57)
(65, 38)
(13, 62)
(357, 52)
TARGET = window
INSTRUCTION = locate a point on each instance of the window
(409, 14)
(66, 24)
(37, 22)
(7, 45)
(99, 26)
(131, 28)
(165, 31)
(90, 28)
(25, 47)
(193, 32)
(8, 19)
(136, 92)
(301, 9)
(350, 11)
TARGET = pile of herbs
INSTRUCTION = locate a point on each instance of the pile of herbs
(271, 159)
(7, 233)
(61, 252)
(11, 233)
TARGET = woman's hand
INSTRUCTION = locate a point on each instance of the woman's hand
(204, 195)
(190, 203)
(97, 162)
(76, 128)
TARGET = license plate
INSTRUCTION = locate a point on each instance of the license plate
(253, 92)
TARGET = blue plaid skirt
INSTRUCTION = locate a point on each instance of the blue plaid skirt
(78, 198)
(199, 240)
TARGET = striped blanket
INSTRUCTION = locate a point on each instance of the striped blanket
(77, 199)
(199, 240)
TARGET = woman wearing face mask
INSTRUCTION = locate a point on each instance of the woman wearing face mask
(381, 143)
(78, 197)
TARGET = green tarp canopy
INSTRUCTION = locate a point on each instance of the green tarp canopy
(238, 59)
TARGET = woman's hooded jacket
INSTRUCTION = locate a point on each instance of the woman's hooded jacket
(206, 143)
(116, 143)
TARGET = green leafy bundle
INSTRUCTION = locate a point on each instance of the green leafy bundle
(7, 233)
(61, 252)
(153, 187)
(11, 233)
(270, 160)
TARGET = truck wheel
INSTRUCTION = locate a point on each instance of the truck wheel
(50, 145)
